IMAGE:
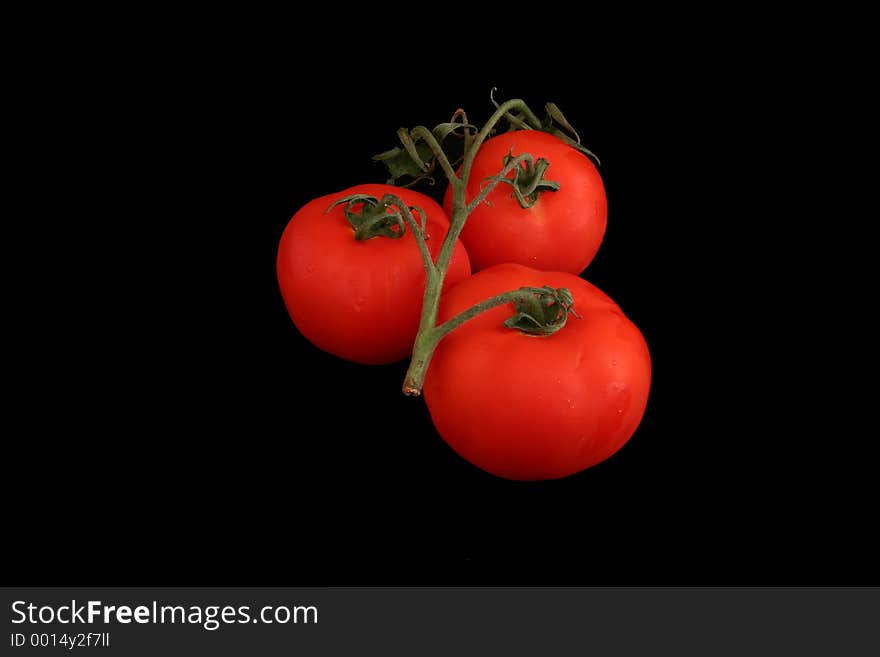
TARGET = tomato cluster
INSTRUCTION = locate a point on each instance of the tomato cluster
(523, 383)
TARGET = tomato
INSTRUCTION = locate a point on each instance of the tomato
(537, 407)
(562, 231)
(360, 300)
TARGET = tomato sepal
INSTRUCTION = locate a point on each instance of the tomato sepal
(374, 219)
(542, 311)
(528, 180)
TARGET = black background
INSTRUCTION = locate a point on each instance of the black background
(178, 430)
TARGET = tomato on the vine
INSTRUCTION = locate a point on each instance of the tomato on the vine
(560, 231)
(359, 299)
(532, 407)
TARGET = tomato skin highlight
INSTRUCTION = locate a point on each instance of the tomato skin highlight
(531, 407)
(359, 300)
(561, 232)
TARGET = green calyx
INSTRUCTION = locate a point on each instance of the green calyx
(541, 311)
(528, 180)
(371, 217)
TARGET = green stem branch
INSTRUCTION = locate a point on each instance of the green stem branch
(532, 122)
(437, 149)
(528, 296)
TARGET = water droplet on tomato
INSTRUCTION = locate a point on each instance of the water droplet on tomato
(614, 362)
(620, 411)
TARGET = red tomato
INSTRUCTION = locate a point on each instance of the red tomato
(359, 300)
(537, 407)
(562, 231)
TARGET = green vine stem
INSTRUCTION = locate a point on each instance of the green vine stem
(429, 334)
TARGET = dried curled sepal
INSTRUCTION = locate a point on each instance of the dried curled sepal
(542, 311)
